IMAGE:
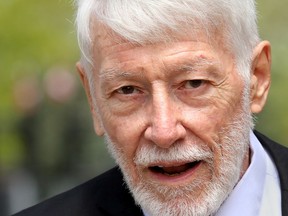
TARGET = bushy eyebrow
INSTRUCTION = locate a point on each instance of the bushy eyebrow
(185, 66)
(195, 64)
(203, 65)
(116, 73)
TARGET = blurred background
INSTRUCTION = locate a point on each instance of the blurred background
(47, 142)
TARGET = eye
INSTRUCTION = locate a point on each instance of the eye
(127, 90)
(193, 84)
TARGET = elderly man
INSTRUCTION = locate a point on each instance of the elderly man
(173, 85)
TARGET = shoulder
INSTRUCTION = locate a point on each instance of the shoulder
(275, 149)
(279, 155)
(89, 198)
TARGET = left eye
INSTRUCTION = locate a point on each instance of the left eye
(194, 83)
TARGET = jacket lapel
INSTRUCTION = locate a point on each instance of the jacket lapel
(117, 199)
(279, 155)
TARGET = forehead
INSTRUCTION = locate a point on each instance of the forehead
(108, 45)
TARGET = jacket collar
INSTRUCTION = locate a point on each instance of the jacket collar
(279, 155)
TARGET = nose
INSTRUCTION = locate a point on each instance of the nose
(165, 127)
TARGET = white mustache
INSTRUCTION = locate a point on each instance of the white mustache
(149, 155)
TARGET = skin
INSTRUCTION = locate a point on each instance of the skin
(166, 94)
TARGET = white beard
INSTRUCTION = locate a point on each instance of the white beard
(160, 200)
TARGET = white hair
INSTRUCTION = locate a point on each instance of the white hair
(150, 21)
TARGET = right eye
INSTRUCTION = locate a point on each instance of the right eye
(127, 90)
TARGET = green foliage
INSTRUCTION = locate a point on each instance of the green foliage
(273, 121)
(48, 140)
(34, 35)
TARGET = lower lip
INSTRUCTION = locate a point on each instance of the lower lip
(160, 177)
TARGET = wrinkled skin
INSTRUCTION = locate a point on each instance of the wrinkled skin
(182, 93)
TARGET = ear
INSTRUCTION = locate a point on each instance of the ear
(96, 118)
(260, 76)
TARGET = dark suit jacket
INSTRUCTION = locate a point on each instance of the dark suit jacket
(107, 194)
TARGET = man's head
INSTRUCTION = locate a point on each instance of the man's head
(172, 85)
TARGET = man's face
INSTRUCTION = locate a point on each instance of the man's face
(175, 118)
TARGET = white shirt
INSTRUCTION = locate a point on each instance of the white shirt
(258, 192)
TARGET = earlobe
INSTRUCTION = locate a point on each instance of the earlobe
(260, 76)
(96, 119)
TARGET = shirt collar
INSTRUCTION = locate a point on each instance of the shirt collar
(246, 197)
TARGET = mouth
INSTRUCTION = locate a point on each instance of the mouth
(174, 170)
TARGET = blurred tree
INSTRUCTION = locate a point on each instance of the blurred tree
(273, 18)
(46, 132)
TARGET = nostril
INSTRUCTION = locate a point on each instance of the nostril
(165, 137)
(164, 128)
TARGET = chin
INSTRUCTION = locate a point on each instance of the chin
(202, 197)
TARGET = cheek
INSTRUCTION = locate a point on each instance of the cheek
(218, 113)
(207, 123)
(125, 132)
(210, 123)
